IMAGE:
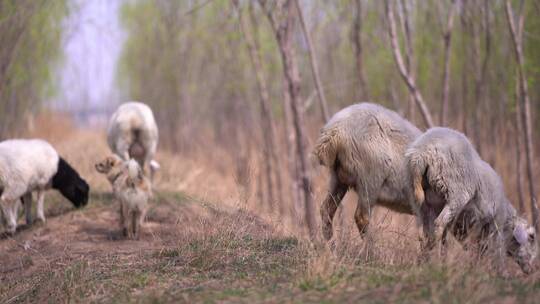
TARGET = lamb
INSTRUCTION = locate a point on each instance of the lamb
(363, 145)
(28, 165)
(131, 188)
(471, 200)
(132, 133)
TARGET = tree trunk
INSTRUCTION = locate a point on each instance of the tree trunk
(314, 66)
(267, 121)
(517, 39)
(356, 36)
(519, 152)
(409, 54)
(409, 80)
(283, 29)
(447, 38)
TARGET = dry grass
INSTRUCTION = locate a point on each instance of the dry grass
(207, 241)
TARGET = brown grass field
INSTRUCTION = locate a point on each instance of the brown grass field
(204, 241)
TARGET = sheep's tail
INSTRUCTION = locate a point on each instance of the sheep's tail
(417, 168)
(326, 148)
(135, 173)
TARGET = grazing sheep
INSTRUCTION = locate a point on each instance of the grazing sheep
(131, 188)
(471, 203)
(363, 145)
(34, 165)
(133, 133)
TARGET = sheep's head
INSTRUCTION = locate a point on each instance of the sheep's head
(108, 164)
(112, 166)
(523, 246)
(71, 184)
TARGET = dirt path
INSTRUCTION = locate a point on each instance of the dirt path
(91, 237)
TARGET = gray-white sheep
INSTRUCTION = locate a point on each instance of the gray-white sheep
(133, 133)
(34, 165)
(363, 145)
(471, 199)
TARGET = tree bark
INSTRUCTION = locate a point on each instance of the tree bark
(314, 65)
(519, 151)
(447, 38)
(407, 78)
(267, 121)
(409, 54)
(282, 19)
(517, 39)
(356, 37)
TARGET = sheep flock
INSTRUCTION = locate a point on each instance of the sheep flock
(436, 176)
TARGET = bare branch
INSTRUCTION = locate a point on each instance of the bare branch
(525, 107)
(314, 65)
(409, 81)
(447, 37)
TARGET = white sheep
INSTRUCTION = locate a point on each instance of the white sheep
(472, 202)
(132, 133)
(363, 145)
(28, 165)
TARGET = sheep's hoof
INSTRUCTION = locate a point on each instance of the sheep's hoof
(39, 221)
(327, 232)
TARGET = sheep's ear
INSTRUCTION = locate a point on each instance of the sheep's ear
(111, 161)
(520, 234)
(532, 234)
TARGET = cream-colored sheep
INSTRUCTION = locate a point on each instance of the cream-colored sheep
(132, 190)
(133, 133)
(363, 145)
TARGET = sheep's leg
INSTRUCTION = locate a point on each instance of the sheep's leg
(40, 201)
(428, 217)
(143, 216)
(330, 204)
(125, 218)
(123, 144)
(129, 226)
(27, 202)
(367, 195)
(136, 221)
(10, 209)
(362, 216)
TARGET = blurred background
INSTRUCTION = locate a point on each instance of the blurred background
(243, 86)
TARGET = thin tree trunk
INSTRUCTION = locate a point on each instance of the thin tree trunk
(314, 66)
(464, 79)
(407, 78)
(291, 150)
(519, 151)
(283, 30)
(356, 36)
(447, 37)
(409, 54)
(267, 121)
(517, 39)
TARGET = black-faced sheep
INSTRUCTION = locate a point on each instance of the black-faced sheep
(364, 145)
(472, 202)
(132, 133)
(34, 165)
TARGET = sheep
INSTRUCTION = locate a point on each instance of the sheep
(132, 133)
(363, 145)
(131, 188)
(472, 202)
(28, 165)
